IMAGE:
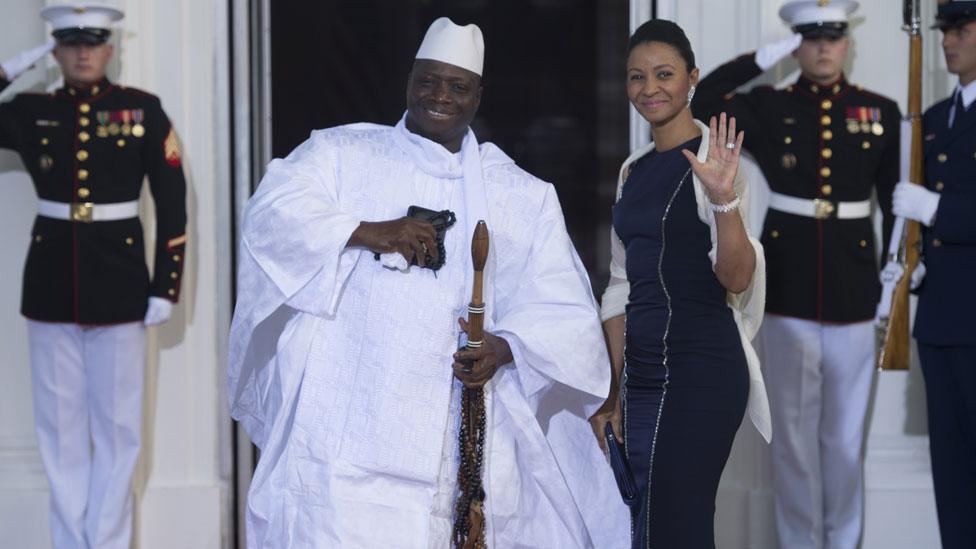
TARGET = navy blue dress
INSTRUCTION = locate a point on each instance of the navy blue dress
(685, 381)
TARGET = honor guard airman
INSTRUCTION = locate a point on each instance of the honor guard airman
(945, 327)
(825, 146)
(87, 293)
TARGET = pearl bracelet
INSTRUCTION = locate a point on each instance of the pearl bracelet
(727, 207)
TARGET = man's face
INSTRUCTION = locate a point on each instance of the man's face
(442, 100)
(822, 59)
(959, 45)
(83, 64)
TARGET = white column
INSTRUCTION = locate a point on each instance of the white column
(177, 50)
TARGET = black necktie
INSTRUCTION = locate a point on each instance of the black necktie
(958, 109)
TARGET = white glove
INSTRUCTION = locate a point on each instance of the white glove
(917, 275)
(158, 312)
(394, 260)
(770, 54)
(915, 202)
(18, 64)
(893, 272)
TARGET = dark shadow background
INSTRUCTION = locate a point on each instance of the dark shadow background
(554, 96)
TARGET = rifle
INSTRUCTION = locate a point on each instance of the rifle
(905, 244)
(469, 520)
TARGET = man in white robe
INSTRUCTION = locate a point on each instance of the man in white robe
(342, 367)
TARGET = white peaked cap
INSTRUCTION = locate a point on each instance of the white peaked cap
(85, 15)
(455, 45)
(804, 12)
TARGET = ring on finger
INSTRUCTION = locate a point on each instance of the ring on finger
(730, 145)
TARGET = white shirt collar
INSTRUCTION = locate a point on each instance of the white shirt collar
(968, 93)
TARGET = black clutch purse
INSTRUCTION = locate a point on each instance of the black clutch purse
(442, 221)
(621, 467)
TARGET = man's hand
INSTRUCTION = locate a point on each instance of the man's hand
(411, 238)
(18, 64)
(610, 411)
(476, 367)
(915, 202)
(158, 312)
(770, 54)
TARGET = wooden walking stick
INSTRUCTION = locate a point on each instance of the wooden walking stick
(894, 336)
(469, 520)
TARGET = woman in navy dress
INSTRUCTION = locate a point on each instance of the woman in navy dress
(676, 348)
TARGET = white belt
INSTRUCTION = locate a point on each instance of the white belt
(87, 212)
(819, 208)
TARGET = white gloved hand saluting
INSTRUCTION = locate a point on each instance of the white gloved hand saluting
(18, 64)
(915, 202)
(770, 54)
(158, 312)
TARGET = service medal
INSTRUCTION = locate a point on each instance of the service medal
(138, 130)
(113, 128)
(877, 129)
(852, 126)
(865, 127)
(126, 127)
(101, 131)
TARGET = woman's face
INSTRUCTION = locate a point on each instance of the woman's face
(658, 81)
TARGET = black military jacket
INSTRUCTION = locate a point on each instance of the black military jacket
(836, 143)
(947, 298)
(96, 146)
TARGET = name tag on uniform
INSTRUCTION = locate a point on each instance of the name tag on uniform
(47, 123)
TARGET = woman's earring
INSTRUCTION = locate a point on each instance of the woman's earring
(691, 94)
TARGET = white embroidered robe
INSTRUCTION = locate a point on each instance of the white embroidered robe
(340, 368)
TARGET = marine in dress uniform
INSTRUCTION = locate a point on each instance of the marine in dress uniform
(945, 328)
(825, 146)
(87, 292)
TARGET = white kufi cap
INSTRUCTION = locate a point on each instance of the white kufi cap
(455, 45)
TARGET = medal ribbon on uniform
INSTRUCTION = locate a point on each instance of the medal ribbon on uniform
(138, 130)
(876, 127)
(126, 127)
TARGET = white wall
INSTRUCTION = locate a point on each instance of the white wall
(900, 507)
(177, 49)
(21, 475)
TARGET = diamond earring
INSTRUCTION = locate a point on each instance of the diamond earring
(691, 94)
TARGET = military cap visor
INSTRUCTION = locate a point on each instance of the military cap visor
(954, 14)
(823, 29)
(81, 36)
